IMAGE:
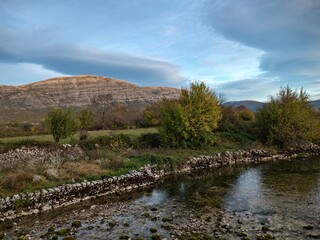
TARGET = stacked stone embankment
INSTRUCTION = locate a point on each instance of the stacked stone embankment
(33, 202)
(34, 155)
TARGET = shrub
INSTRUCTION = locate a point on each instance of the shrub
(112, 142)
(288, 119)
(85, 119)
(149, 140)
(151, 114)
(61, 123)
(238, 124)
(190, 121)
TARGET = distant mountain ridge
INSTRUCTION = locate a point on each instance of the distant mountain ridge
(250, 104)
(76, 91)
(256, 105)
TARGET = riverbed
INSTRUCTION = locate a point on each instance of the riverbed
(274, 200)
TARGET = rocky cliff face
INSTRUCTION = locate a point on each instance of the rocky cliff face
(77, 91)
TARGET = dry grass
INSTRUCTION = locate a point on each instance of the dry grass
(78, 170)
(17, 181)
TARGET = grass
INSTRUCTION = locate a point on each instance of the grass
(102, 160)
(75, 137)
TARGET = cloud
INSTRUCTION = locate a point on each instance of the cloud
(79, 59)
(73, 60)
(287, 31)
(23, 73)
(258, 88)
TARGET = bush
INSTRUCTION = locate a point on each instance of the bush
(190, 121)
(149, 140)
(61, 123)
(288, 119)
(238, 124)
(112, 142)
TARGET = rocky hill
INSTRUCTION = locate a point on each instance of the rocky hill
(77, 91)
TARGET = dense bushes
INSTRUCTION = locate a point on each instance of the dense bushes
(288, 119)
(119, 142)
(149, 140)
(238, 124)
(15, 129)
(190, 121)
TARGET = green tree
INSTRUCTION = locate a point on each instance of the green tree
(85, 118)
(288, 119)
(61, 123)
(190, 121)
(151, 114)
(171, 123)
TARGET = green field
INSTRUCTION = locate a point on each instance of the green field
(75, 137)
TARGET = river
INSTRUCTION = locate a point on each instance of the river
(274, 200)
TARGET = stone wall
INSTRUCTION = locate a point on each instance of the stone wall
(33, 202)
(51, 156)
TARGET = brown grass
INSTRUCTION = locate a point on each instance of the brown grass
(18, 181)
(79, 169)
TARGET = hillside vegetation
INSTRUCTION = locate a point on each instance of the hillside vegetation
(196, 123)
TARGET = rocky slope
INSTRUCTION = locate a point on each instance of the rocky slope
(76, 91)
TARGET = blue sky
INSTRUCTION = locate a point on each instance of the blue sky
(245, 49)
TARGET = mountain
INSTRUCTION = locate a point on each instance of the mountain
(33, 99)
(255, 105)
(316, 103)
(250, 104)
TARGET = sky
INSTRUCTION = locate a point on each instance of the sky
(244, 49)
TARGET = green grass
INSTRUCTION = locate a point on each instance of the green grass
(75, 137)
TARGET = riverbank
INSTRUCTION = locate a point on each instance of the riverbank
(46, 199)
(270, 200)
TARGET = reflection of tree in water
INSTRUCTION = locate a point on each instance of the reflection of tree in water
(296, 177)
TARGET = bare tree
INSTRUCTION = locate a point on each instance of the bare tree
(103, 101)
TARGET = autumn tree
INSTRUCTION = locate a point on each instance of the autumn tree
(190, 121)
(151, 114)
(85, 118)
(61, 123)
(288, 119)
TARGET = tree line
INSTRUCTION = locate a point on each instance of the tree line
(193, 120)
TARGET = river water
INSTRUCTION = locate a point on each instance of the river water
(275, 200)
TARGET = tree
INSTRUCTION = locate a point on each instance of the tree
(151, 114)
(171, 128)
(85, 118)
(104, 101)
(61, 123)
(190, 121)
(288, 119)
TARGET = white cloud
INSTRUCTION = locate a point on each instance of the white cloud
(22, 73)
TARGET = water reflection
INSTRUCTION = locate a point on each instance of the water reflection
(246, 192)
(298, 177)
(156, 197)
